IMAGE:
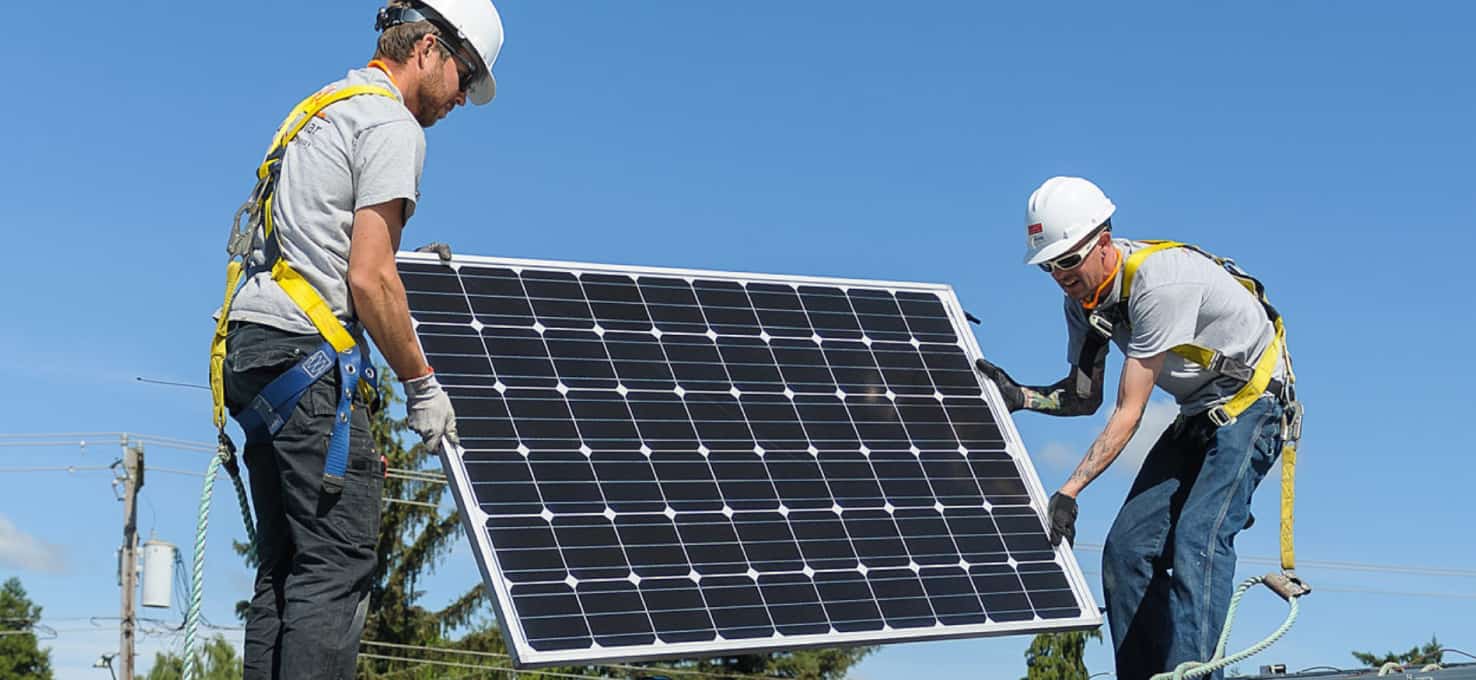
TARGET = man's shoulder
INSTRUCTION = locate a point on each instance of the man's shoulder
(1170, 266)
(374, 109)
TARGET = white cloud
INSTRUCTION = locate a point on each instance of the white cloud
(20, 550)
(1059, 454)
(1156, 417)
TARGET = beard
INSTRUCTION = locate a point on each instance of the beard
(436, 100)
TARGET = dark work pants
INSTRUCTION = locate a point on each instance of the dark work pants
(1168, 567)
(316, 550)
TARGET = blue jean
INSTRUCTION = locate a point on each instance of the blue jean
(315, 551)
(1168, 567)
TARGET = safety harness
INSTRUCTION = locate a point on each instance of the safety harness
(269, 410)
(1256, 379)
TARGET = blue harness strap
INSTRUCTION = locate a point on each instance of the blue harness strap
(273, 406)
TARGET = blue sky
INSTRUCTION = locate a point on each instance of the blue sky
(1326, 146)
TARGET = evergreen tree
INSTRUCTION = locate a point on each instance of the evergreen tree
(218, 661)
(1059, 656)
(21, 656)
(1416, 656)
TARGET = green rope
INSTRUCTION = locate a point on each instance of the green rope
(225, 455)
(1197, 669)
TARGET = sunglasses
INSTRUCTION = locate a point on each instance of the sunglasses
(1073, 259)
(465, 71)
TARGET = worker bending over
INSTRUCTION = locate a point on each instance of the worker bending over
(1199, 328)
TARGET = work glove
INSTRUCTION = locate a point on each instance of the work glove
(1061, 512)
(428, 410)
(1014, 399)
(440, 249)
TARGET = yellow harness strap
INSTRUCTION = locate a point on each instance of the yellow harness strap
(1288, 502)
(1264, 368)
(297, 288)
(218, 346)
(1265, 365)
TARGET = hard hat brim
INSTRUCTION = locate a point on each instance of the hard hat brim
(482, 89)
(1049, 252)
(1062, 247)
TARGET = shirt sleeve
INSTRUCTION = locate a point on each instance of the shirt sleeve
(387, 162)
(1164, 317)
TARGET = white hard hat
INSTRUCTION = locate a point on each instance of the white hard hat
(477, 25)
(1062, 212)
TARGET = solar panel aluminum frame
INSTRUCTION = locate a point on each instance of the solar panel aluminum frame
(524, 656)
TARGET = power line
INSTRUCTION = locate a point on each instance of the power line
(170, 383)
(1364, 591)
(402, 501)
(548, 673)
(500, 655)
(95, 468)
(479, 667)
(1337, 565)
(66, 468)
(47, 439)
(86, 439)
(1400, 593)
(54, 435)
(171, 471)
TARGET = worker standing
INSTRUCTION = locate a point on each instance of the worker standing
(1199, 328)
(316, 270)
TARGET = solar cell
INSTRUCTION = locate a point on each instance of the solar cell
(662, 463)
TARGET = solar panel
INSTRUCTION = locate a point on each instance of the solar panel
(665, 463)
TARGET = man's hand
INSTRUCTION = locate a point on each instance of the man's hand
(428, 410)
(1013, 397)
(1061, 512)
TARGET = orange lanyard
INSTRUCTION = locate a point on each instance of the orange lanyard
(379, 64)
(1106, 283)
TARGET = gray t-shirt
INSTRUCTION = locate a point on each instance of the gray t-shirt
(359, 152)
(1180, 296)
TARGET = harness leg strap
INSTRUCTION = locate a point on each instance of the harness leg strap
(270, 409)
(336, 465)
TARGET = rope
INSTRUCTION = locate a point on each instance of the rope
(1197, 669)
(225, 455)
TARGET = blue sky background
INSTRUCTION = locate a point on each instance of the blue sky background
(1326, 146)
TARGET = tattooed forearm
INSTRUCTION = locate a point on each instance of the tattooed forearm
(1096, 460)
(1103, 451)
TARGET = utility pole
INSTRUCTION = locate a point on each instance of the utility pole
(133, 480)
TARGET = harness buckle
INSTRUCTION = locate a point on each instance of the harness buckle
(239, 243)
(1291, 422)
(225, 449)
(1101, 324)
(1286, 584)
(1217, 363)
(1219, 416)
